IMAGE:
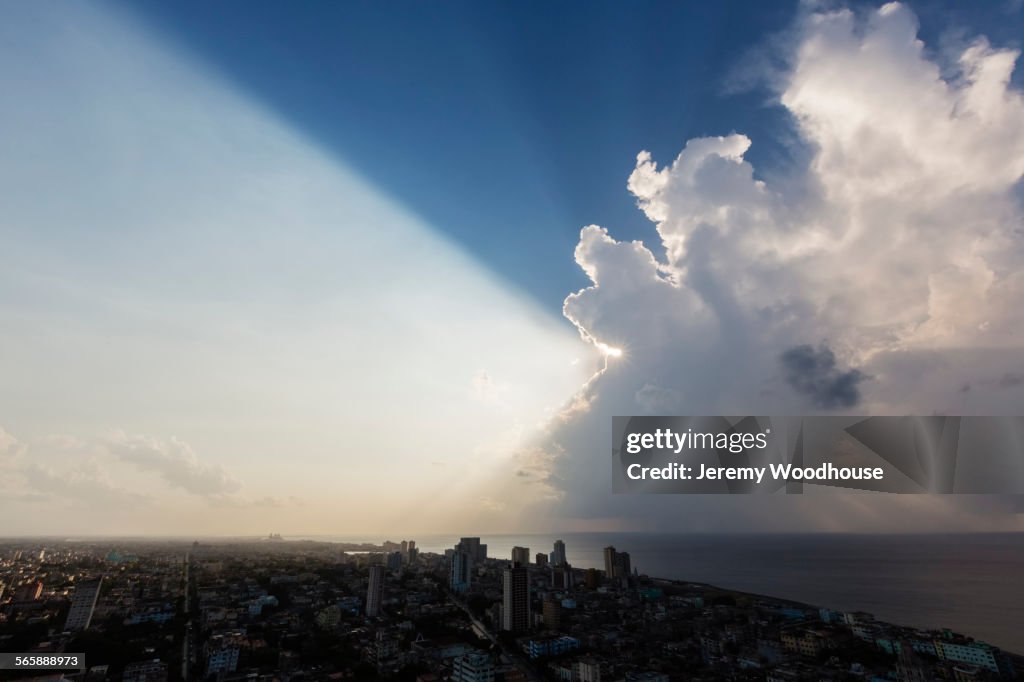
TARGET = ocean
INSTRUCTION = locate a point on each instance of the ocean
(969, 583)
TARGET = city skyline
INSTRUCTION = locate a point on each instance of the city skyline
(529, 616)
(267, 298)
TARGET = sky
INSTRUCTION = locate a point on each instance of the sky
(348, 268)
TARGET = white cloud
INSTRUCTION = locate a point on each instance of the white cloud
(59, 472)
(175, 462)
(113, 474)
(886, 277)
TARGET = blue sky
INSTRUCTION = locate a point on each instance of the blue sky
(268, 260)
(510, 126)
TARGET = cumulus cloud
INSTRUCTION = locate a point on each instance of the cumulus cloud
(76, 484)
(59, 471)
(900, 243)
(87, 484)
(175, 462)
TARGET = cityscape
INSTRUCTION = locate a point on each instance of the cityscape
(277, 609)
(295, 294)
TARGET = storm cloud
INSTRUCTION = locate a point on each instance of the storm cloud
(898, 242)
(813, 373)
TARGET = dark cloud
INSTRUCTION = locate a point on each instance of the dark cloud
(1011, 380)
(812, 372)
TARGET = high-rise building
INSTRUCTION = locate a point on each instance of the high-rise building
(591, 579)
(623, 568)
(552, 614)
(460, 574)
(609, 562)
(82, 605)
(617, 565)
(395, 562)
(476, 666)
(558, 554)
(468, 545)
(474, 548)
(521, 556)
(515, 611)
(541, 559)
(561, 577)
(375, 591)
